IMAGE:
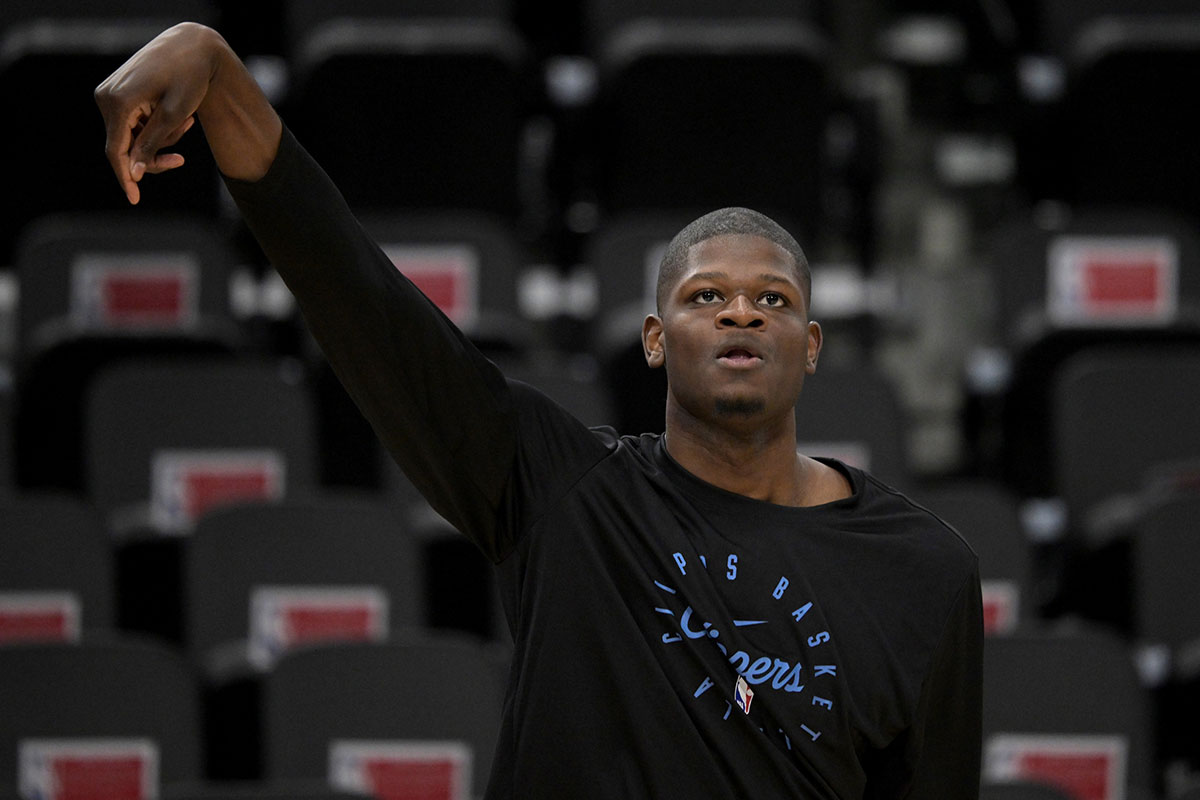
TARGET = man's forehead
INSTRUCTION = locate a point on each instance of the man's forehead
(739, 250)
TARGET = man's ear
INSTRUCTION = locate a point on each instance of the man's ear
(814, 347)
(652, 341)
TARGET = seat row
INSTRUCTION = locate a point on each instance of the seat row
(466, 122)
(393, 720)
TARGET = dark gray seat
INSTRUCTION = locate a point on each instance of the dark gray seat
(106, 689)
(55, 543)
(416, 691)
(1066, 684)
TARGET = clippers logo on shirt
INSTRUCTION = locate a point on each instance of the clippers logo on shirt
(39, 617)
(401, 770)
(187, 483)
(447, 274)
(800, 685)
(1112, 280)
(284, 617)
(135, 291)
(88, 769)
(1083, 767)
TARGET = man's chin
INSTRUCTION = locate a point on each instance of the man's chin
(740, 407)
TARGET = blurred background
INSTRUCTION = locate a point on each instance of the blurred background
(202, 589)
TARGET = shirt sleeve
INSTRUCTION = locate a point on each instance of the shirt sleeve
(443, 410)
(940, 755)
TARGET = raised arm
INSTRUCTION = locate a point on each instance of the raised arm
(186, 73)
(443, 411)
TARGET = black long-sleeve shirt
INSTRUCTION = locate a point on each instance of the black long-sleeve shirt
(672, 640)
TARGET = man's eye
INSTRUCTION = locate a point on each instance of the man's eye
(773, 299)
(707, 296)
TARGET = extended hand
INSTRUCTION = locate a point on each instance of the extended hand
(186, 72)
(149, 102)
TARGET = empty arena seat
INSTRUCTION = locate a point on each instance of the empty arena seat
(1116, 414)
(169, 441)
(101, 273)
(267, 578)
(425, 709)
(48, 57)
(1116, 72)
(76, 715)
(258, 790)
(694, 115)
(446, 99)
(56, 576)
(854, 414)
(1068, 709)
(986, 514)
(263, 579)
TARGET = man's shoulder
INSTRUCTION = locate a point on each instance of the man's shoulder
(912, 519)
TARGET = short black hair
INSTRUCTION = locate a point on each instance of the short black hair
(728, 221)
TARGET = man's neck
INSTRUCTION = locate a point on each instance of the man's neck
(757, 461)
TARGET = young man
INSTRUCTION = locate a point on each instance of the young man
(702, 614)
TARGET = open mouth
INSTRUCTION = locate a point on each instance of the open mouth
(739, 356)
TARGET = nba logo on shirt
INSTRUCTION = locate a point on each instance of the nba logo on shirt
(87, 769)
(743, 694)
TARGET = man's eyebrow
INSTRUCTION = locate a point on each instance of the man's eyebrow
(765, 277)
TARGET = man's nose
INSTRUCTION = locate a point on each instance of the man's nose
(741, 312)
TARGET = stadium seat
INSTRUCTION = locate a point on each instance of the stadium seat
(263, 579)
(444, 97)
(409, 709)
(97, 289)
(1066, 708)
(56, 579)
(603, 17)
(1166, 617)
(243, 561)
(1094, 277)
(118, 710)
(694, 115)
(1020, 790)
(854, 414)
(168, 441)
(1107, 268)
(258, 790)
(147, 420)
(53, 53)
(52, 388)
(104, 273)
(1116, 414)
(467, 263)
(986, 514)
(1060, 23)
(1166, 559)
(571, 382)
(302, 17)
(7, 433)
(1115, 73)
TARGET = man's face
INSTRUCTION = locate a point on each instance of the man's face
(734, 333)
